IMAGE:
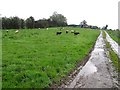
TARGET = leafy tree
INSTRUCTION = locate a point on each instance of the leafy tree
(4, 22)
(58, 19)
(42, 23)
(106, 27)
(15, 23)
(83, 24)
(22, 24)
(30, 22)
(11, 23)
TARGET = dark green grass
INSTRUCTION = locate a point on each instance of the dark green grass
(115, 35)
(39, 58)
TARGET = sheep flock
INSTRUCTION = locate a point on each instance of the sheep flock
(58, 32)
(67, 31)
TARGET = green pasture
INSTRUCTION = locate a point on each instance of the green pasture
(38, 58)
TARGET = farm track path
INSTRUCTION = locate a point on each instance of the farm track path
(98, 72)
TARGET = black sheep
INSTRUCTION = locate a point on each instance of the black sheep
(76, 33)
(58, 33)
(67, 31)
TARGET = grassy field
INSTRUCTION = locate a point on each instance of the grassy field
(115, 35)
(38, 58)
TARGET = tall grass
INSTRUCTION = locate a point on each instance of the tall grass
(39, 58)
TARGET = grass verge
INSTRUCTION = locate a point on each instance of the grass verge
(112, 55)
(115, 35)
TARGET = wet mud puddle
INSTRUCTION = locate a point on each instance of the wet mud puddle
(95, 73)
(89, 69)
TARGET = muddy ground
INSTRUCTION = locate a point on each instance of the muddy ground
(98, 72)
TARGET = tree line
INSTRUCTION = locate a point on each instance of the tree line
(56, 20)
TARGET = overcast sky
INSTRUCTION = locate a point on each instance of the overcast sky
(95, 12)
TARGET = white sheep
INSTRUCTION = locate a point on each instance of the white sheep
(6, 30)
(67, 31)
(72, 31)
(16, 31)
(46, 28)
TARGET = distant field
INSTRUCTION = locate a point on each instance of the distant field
(38, 58)
(115, 35)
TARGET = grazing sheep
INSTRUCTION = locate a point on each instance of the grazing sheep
(7, 31)
(46, 28)
(16, 31)
(58, 33)
(72, 31)
(67, 31)
(76, 33)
